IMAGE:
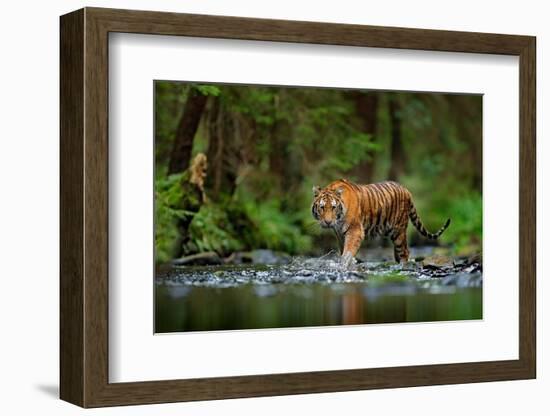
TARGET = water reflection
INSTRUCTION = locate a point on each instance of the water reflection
(186, 305)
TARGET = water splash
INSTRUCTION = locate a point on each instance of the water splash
(324, 270)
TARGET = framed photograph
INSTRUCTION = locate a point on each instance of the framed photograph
(255, 207)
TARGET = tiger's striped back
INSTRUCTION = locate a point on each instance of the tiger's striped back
(388, 207)
(385, 207)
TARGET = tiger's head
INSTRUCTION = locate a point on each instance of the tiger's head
(328, 207)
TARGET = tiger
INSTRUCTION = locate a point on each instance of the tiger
(356, 212)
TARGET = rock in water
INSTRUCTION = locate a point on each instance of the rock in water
(438, 261)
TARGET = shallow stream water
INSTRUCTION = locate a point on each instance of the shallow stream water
(314, 292)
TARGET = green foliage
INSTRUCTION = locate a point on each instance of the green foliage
(246, 225)
(208, 90)
(466, 232)
(358, 148)
(275, 229)
(213, 230)
(169, 101)
(168, 196)
(455, 201)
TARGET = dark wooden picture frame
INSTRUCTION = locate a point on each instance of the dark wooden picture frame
(84, 207)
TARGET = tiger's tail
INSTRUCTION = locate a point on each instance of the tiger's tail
(420, 227)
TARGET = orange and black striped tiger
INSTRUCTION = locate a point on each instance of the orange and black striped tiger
(357, 211)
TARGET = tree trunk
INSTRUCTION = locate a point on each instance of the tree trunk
(366, 107)
(278, 155)
(222, 154)
(471, 132)
(397, 151)
(185, 133)
(284, 165)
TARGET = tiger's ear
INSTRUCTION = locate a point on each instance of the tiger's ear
(316, 190)
(339, 191)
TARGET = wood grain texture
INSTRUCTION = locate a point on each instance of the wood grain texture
(96, 208)
(527, 208)
(227, 27)
(71, 100)
(84, 207)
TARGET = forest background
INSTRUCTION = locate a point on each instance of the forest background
(267, 146)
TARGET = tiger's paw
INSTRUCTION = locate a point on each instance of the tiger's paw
(347, 260)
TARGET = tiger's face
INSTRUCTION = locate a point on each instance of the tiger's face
(328, 207)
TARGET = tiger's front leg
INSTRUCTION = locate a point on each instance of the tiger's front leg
(352, 241)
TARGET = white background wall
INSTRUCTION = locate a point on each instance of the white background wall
(29, 160)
